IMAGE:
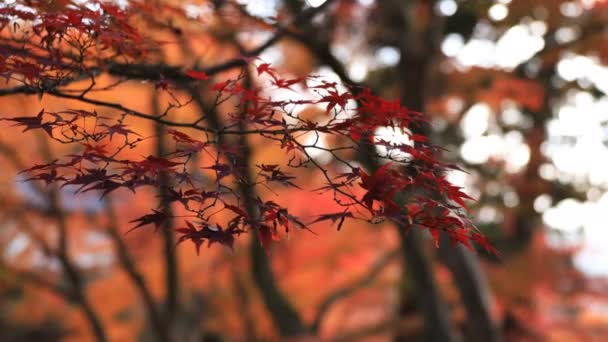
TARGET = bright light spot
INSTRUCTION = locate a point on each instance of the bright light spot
(578, 67)
(594, 194)
(482, 148)
(542, 203)
(466, 181)
(328, 75)
(538, 28)
(516, 152)
(388, 56)
(452, 44)
(516, 46)
(341, 51)
(568, 68)
(512, 116)
(264, 8)
(547, 172)
(98, 259)
(476, 120)
(565, 216)
(576, 140)
(197, 11)
(315, 145)
(474, 152)
(571, 9)
(272, 55)
(564, 35)
(454, 105)
(357, 70)
(458, 178)
(588, 4)
(583, 224)
(123, 4)
(477, 52)
(493, 188)
(498, 12)
(510, 148)
(315, 3)
(446, 7)
(487, 214)
(95, 238)
(510, 199)
(396, 137)
(17, 245)
(366, 2)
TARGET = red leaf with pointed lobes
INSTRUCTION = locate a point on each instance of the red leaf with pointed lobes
(458, 196)
(210, 234)
(268, 167)
(181, 137)
(199, 75)
(152, 163)
(265, 236)
(99, 150)
(191, 145)
(33, 122)
(333, 217)
(419, 138)
(236, 210)
(485, 243)
(221, 86)
(460, 236)
(118, 129)
(336, 99)
(52, 165)
(382, 185)
(286, 84)
(265, 68)
(48, 178)
(106, 186)
(157, 218)
(435, 233)
(222, 170)
(91, 176)
(273, 174)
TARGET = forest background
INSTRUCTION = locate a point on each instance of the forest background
(513, 90)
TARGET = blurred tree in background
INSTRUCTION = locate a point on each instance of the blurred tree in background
(515, 91)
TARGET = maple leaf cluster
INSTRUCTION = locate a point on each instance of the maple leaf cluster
(58, 41)
(433, 203)
(412, 191)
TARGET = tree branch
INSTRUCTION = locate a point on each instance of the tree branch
(39, 281)
(77, 291)
(358, 284)
(169, 252)
(136, 277)
(283, 314)
(71, 270)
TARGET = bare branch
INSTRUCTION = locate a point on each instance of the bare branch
(365, 280)
(136, 277)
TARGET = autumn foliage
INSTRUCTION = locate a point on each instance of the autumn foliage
(159, 126)
(54, 47)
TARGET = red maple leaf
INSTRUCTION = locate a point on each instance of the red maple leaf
(157, 218)
(198, 75)
(485, 243)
